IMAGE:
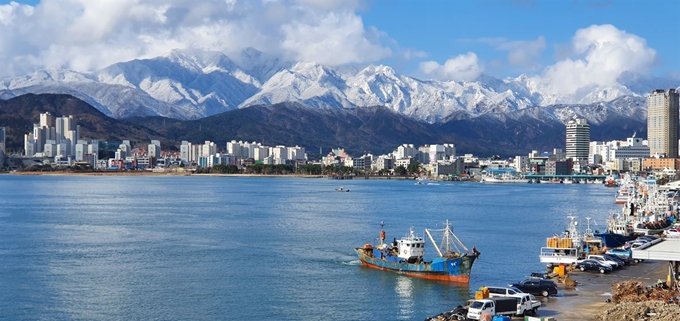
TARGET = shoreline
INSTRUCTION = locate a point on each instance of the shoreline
(589, 298)
(187, 173)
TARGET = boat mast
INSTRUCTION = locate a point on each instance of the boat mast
(382, 232)
(433, 242)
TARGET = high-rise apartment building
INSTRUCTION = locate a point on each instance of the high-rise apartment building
(662, 123)
(578, 139)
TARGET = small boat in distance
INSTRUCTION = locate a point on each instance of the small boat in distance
(341, 189)
(406, 256)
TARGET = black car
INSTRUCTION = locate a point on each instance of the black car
(537, 286)
(593, 265)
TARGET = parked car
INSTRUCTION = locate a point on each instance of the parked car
(633, 244)
(498, 291)
(647, 237)
(638, 244)
(507, 291)
(537, 286)
(540, 275)
(621, 262)
(620, 252)
(672, 233)
(593, 265)
(602, 259)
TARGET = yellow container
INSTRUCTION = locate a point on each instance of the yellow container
(482, 293)
(560, 270)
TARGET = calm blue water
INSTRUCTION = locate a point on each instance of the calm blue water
(228, 248)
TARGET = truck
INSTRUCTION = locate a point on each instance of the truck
(516, 305)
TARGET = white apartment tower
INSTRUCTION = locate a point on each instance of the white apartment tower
(578, 139)
(154, 149)
(662, 123)
(184, 151)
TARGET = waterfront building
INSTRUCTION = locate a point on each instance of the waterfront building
(441, 152)
(423, 154)
(634, 147)
(405, 162)
(662, 123)
(208, 149)
(578, 139)
(260, 153)
(383, 162)
(360, 163)
(559, 167)
(599, 152)
(29, 145)
(184, 151)
(521, 163)
(662, 163)
(154, 149)
(405, 151)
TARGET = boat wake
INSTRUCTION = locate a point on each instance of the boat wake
(353, 262)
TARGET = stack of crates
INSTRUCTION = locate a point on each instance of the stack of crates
(552, 241)
(482, 293)
(565, 243)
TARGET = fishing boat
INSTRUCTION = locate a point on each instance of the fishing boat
(341, 189)
(504, 179)
(571, 246)
(619, 229)
(453, 262)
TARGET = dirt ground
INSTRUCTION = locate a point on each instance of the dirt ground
(590, 297)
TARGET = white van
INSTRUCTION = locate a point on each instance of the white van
(499, 291)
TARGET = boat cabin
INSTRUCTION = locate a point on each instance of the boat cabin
(411, 248)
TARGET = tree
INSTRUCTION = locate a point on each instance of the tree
(413, 168)
(400, 170)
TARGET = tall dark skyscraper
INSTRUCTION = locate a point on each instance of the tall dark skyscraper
(662, 123)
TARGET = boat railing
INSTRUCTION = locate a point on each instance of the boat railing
(554, 251)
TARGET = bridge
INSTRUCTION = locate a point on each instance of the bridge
(572, 176)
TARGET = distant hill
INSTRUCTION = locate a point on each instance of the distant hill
(376, 130)
(368, 129)
(20, 113)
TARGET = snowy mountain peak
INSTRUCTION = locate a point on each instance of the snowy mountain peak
(192, 83)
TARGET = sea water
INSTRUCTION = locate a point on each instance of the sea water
(255, 248)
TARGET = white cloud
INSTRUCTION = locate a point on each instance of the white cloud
(85, 34)
(409, 54)
(524, 53)
(521, 53)
(334, 39)
(460, 68)
(599, 55)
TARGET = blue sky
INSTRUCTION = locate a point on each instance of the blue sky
(445, 28)
(439, 39)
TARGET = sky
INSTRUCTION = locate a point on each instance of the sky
(568, 44)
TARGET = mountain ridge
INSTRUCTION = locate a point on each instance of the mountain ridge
(375, 129)
(192, 84)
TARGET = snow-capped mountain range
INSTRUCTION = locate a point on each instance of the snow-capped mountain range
(190, 84)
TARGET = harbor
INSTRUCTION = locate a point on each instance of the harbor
(646, 259)
(205, 237)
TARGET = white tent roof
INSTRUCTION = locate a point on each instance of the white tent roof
(666, 250)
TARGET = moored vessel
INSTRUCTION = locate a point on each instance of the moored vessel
(453, 262)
